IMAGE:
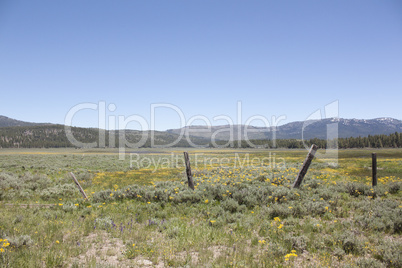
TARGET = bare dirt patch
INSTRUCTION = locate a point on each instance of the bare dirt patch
(102, 248)
(109, 252)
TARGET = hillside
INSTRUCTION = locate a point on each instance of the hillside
(54, 136)
(9, 122)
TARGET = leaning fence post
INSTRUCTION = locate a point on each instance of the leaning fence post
(188, 171)
(78, 185)
(305, 166)
(374, 168)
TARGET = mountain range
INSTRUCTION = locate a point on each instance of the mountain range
(345, 128)
(16, 133)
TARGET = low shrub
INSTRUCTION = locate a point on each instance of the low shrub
(350, 243)
(389, 252)
(187, 196)
(19, 241)
(394, 187)
(339, 253)
(298, 243)
(357, 189)
(368, 262)
(103, 223)
(278, 210)
(316, 208)
(59, 191)
(230, 205)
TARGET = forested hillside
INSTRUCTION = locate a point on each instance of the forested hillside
(48, 136)
(393, 140)
(54, 136)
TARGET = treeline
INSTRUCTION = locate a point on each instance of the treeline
(393, 140)
(54, 136)
(47, 136)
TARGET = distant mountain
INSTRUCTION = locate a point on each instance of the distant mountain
(224, 132)
(352, 127)
(9, 122)
(297, 130)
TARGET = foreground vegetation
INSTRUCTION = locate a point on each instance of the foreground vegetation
(243, 212)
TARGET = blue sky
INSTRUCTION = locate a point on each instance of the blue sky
(278, 58)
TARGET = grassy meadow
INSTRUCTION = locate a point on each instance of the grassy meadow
(242, 213)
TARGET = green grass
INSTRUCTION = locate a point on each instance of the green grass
(237, 216)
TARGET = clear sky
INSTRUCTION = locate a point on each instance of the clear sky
(277, 58)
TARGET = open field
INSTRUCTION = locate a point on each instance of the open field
(243, 212)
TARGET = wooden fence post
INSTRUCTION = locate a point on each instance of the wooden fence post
(374, 168)
(78, 185)
(188, 171)
(305, 166)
